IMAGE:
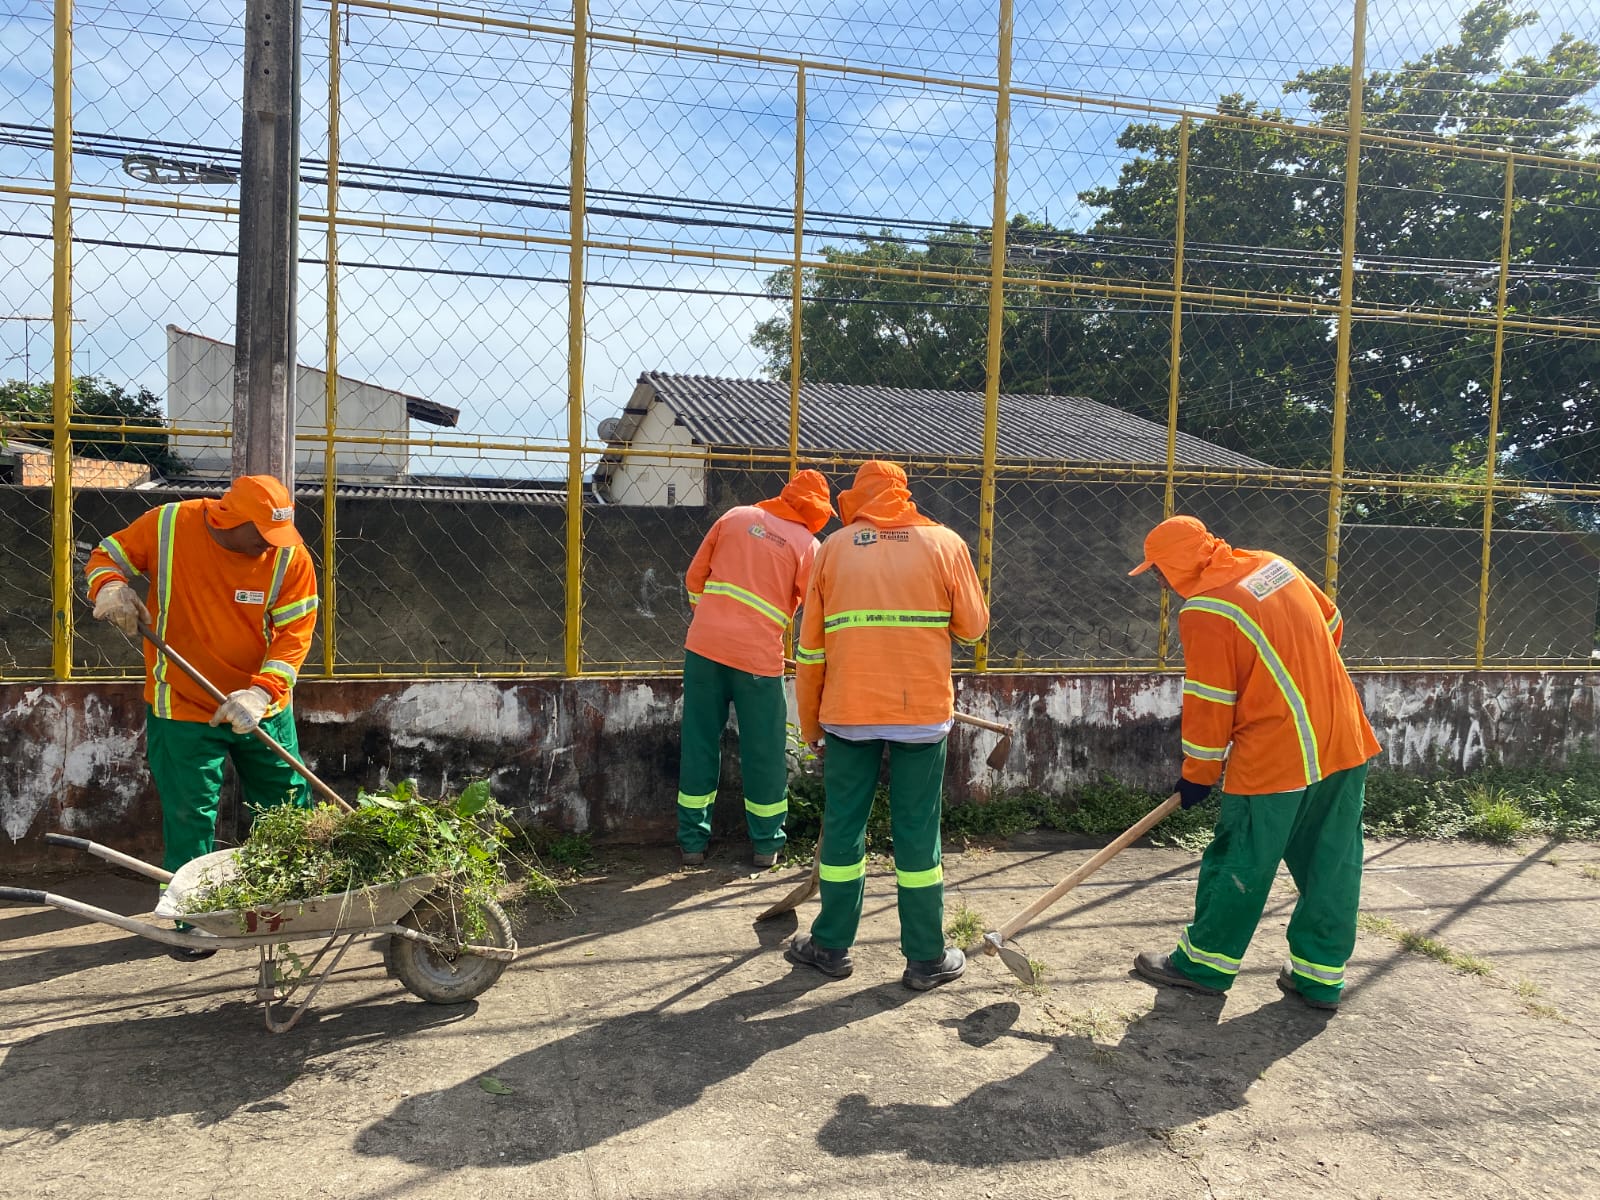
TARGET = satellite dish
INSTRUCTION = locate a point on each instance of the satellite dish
(608, 429)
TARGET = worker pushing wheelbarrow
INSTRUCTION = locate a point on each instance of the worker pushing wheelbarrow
(231, 580)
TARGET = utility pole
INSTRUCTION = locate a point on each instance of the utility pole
(269, 185)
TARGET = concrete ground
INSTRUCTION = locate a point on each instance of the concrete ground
(656, 1045)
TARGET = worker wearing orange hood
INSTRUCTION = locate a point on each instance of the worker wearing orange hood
(1265, 693)
(745, 583)
(232, 589)
(889, 593)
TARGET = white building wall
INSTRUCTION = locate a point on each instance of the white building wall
(644, 479)
(200, 396)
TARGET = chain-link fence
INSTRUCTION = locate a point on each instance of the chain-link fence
(573, 280)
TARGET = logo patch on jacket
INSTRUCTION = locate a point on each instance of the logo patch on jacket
(758, 531)
(1263, 581)
(243, 597)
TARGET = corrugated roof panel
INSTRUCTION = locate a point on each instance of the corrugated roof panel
(861, 419)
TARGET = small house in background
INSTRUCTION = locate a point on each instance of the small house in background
(690, 414)
(200, 396)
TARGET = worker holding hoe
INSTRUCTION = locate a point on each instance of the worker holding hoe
(745, 582)
(1264, 690)
(232, 588)
(889, 592)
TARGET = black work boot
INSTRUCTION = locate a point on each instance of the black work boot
(1286, 984)
(835, 964)
(1158, 968)
(925, 974)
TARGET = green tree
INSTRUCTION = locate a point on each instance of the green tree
(96, 402)
(1265, 216)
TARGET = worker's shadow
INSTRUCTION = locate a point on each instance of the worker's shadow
(615, 1076)
(205, 1065)
(1174, 1065)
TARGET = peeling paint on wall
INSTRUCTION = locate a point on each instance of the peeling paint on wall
(601, 755)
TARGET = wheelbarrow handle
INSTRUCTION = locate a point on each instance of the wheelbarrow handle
(115, 857)
(266, 739)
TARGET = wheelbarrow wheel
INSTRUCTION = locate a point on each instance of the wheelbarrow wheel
(440, 978)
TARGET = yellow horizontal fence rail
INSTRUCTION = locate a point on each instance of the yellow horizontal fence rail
(717, 208)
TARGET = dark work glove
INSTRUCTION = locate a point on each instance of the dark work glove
(1192, 793)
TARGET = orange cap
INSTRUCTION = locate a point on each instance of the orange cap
(262, 501)
(1179, 544)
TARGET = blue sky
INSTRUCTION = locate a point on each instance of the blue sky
(463, 102)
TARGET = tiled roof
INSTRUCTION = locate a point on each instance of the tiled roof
(193, 485)
(861, 419)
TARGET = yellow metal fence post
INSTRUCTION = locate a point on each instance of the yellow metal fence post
(1497, 376)
(997, 271)
(330, 474)
(580, 84)
(61, 590)
(1347, 282)
(1175, 350)
(794, 285)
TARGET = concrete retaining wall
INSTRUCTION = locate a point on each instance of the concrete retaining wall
(601, 756)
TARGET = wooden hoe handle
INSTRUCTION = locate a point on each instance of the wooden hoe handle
(961, 718)
(1150, 819)
(271, 743)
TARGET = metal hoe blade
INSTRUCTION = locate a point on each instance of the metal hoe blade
(806, 889)
(1015, 960)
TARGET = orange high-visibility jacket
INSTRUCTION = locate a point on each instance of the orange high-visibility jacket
(745, 582)
(1263, 674)
(879, 615)
(240, 620)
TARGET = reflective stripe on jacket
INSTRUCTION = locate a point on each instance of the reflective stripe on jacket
(883, 606)
(1263, 676)
(745, 582)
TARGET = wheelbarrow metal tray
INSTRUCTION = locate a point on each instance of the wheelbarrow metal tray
(363, 908)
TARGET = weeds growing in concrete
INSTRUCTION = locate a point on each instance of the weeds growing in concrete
(1420, 943)
(1527, 991)
(1534, 1003)
(963, 926)
(1096, 1023)
(1590, 871)
(1039, 969)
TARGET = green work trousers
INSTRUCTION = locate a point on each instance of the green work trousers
(758, 701)
(1317, 833)
(186, 759)
(916, 788)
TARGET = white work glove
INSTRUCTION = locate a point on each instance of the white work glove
(242, 709)
(118, 603)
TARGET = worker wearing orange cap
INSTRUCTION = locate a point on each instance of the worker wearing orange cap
(233, 590)
(745, 582)
(889, 593)
(1266, 693)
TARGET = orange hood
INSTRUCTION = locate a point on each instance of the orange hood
(804, 500)
(880, 495)
(1192, 558)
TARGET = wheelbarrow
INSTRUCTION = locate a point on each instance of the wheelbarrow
(427, 948)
